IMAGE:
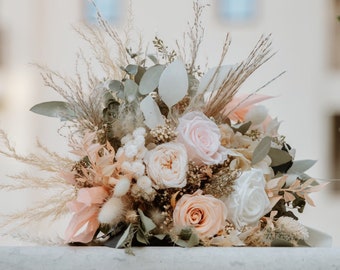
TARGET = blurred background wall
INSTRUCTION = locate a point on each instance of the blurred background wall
(305, 36)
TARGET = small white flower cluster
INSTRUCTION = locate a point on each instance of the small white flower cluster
(133, 148)
(132, 151)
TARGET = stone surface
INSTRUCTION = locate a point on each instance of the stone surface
(168, 258)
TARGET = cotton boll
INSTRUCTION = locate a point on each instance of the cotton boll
(139, 132)
(144, 182)
(122, 187)
(257, 115)
(138, 168)
(139, 141)
(131, 150)
(112, 211)
(126, 167)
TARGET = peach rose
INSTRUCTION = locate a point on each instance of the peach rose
(167, 165)
(201, 138)
(205, 213)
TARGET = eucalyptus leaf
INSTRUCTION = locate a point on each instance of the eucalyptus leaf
(150, 79)
(281, 243)
(181, 243)
(152, 114)
(160, 236)
(107, 98)
(261, 150)
(193, 240)
(187, 238)
(147, 223)
(279, 157)
(173, 83)
(117, 87)
(300, 166)
(153, 58)
(140, 74)
(303, 243)
(242, 128)
(130, 90)
(318, 239)
(141, 238)
(124, 237)
(131, 69)
(57, 109)
(214, 78)
(185, 233)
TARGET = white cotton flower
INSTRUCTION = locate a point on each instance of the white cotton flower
(131, 150)
(144, 182)
(139, 132)
(126, 138)
(138, 168)
(122, 187)
(139, 141)
(126, 167)
(112, 211)
(257, 115)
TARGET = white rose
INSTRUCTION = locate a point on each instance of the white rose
(167, 165)
(249, 202)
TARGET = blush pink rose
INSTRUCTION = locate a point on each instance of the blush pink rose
(205, 213)
(167, 165)
(201, 137)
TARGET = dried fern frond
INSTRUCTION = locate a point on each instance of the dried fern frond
(23, 224)
(197, 102)
(37, 238)
(29, 181)
(87, 104)
(47, 161)
(55, 209)
(102, 51)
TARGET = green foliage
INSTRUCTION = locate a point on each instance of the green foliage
(279, 157)
(242, 127)
(150, 80)
(262, 150)
(57, 109)
(187, 238)
(300, 166)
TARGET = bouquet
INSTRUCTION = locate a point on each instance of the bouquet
(165, 153)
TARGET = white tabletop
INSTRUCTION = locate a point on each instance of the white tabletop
(173, 258)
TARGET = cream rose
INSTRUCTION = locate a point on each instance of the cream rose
(201, 137)
(167, 165)
(249, 201)
(205, 213)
